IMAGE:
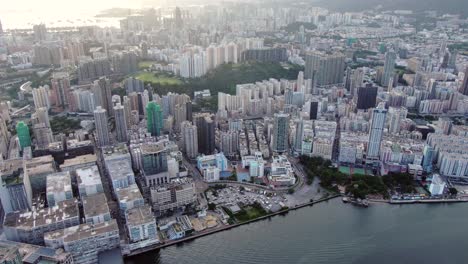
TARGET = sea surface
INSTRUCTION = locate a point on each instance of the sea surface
(333, 232)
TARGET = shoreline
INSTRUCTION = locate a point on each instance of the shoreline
(224, 228)
(425, 201)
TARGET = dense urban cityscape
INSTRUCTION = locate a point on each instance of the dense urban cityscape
(178, 122)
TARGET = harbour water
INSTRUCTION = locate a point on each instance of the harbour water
(333, 232)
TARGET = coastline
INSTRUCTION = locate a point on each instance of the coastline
(224, 228)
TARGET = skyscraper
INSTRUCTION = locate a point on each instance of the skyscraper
(188, 108)
(326, 68)
(367, 97)
(120, 123)
(154, 119)
(43, 116)
(102, 129)
(206, 133)
(41, 97)
(313, 110)
(190, 139)
(1, 28)
(464, 87)
(389, 68)
(299, 135)
(102, 91)
(280, 132)
(61, 89)
(428, 156)
(376, 132)
(24, 137)
(40, 32)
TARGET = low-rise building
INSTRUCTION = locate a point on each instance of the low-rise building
(129, 198)
(217, 160)
(85, 241)
(141, 227)
(29, 253)
(29, 227)
(437, 186)
(37, 169)
(180, 228)
(95, 208)
(89, 181)
(58, 188)
(82, 161)
(282, 173)
(178, 193)
(120, 173)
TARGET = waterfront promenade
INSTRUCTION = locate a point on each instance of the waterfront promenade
(223, 228)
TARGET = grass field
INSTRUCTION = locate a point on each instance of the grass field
(249, 213)
(145, 64)
(157, 78)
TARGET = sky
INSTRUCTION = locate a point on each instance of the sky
(47, 5)
(25, 13)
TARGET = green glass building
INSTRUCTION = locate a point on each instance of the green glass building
(154, 118)
(23, 135)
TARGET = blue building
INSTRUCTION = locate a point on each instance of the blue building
(217, 160)
(428, 153)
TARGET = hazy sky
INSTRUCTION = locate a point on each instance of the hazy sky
(41, 5)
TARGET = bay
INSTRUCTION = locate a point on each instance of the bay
(333, 232)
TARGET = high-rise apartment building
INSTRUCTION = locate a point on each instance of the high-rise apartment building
(389, 68)
(102, 129)
(206, 133)
(120, 123)
(464, 87)
(41, 97)
(376, 132)
(325, 69)
(190, 139)
(280, 132)
(102, 92)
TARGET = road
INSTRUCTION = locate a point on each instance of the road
(200, 185)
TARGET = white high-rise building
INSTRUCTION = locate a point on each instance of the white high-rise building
(376, 132)
(102, 129)
(396, 116)
(41, 97)
(190, 139)
(120, 123)
(389, 68)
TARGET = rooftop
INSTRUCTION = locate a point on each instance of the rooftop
(153, 147)
(75, 143)
(119, 168)
(89, 158)
(95, 204)
(83, 231)
(59, 182)
(140, 215)
(130, 193)
(32, 253)
(88, 176)
(28, 220)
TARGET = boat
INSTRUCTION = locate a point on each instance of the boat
(357, 202)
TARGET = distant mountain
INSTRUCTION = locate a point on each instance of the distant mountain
(442, 6)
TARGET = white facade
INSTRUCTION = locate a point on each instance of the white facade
(376, 132)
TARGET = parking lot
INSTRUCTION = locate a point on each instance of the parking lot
(244, 196)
